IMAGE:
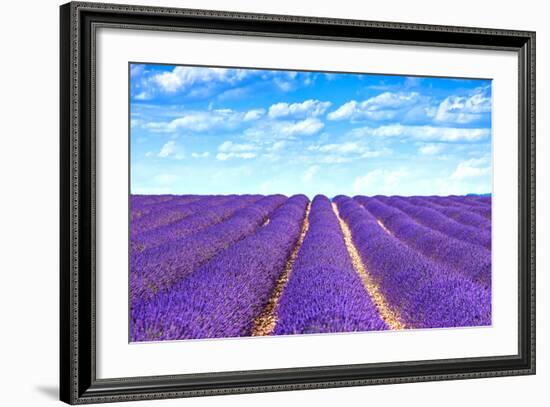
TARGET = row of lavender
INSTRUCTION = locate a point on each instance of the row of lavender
(206, 266)
(424, 290)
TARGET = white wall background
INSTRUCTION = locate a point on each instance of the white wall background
(29, 163)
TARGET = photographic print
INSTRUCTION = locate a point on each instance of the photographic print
(285, 202)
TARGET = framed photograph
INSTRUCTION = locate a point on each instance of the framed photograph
(255, 203)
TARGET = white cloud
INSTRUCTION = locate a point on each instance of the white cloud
(234, 93)
(291, 74)
(379, 181)
(309, 174)
(384, 106)
(227, 156)
(343, 112)
(167, 149)
(412, 82)
(195, 121)
(472, 168)
(284, 128)
(390, 100)
(228, 150)
(304, 127)
(426, 133)
(136, 70)
(333, 159)
(343, 148)
(375, 153)
(285, 86)
(200, 121)
(205, 154)
(308, 108)
(336, 153)
(183, 76)
(431, 149)
(409, 83)
(254, 114)
(460, 109)
(230, 147)
(278, 145)
(144, 95)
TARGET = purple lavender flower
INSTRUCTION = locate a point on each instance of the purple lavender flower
(222, 297)
(471, 260)
(159, 268)
(437, 221)
(425, 294)
(324, 293)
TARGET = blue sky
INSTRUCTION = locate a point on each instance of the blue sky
(200, 130)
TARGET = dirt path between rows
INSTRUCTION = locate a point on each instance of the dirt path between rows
(390, 317)
(265, 323)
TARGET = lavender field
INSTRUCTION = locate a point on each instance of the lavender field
(219, 266)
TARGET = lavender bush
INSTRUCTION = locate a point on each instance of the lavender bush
(425, 294)
(202, 215)
(471, 260)
(161, 267)
(461, 215)
(222, 298)
(324, 293)
(212, 266)
(437, 221)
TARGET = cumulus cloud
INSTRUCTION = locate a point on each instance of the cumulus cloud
(141, 87)
(425, 133)
(169, 149)
(182, 77)
(335, 153)
(463, 110)
(143, 95)
(379, 181)
(431, 149)
(303, 127)
(201, 121)
(136, 70)
(472, 168)
(234, 93)
(229, 149)
(204, 154)
(278, 145)
(343, 148)
(135, 122)
(227, 156)
(254, 114)
(343, 112)
(308, 108)
(283, 85)
(384, 106)
(285, 128)
(226, 83)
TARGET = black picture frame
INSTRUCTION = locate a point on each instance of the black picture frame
(78, 382)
